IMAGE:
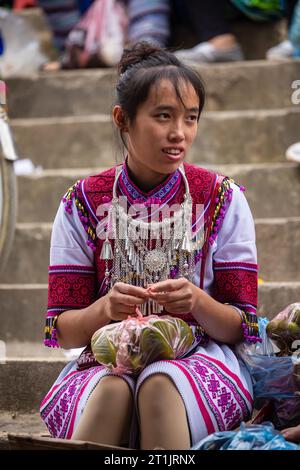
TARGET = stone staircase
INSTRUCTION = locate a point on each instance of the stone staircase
(62, 122)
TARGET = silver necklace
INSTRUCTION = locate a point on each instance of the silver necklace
(146, 252)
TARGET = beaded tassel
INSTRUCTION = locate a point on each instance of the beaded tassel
(51, 332)
(201, 336)
(224, 195)
(82, 212)
(250, 327)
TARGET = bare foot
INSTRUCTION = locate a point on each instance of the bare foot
(51, 66)
(223, 41)
(292, 434)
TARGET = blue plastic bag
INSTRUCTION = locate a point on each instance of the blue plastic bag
(251, 437)
(272, 376)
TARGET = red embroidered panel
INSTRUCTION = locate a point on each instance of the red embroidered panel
(236, 283)
(70, 287)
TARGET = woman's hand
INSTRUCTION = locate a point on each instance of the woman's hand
(122, 299)
(175, 295)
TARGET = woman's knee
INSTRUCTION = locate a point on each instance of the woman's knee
(154, 392)
(113, 389)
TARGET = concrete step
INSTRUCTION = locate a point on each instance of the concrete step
(15, 422)
(23, 307)
(30, 257)
(40, 193)
(223, 137)
(278, 242)
(25, 349)
(17, 393)
(230, 86)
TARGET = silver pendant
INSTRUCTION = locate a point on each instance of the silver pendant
(155, 260)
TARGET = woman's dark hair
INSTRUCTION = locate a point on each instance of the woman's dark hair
(143, 65)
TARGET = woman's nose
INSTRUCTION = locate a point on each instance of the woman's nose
(176, 132)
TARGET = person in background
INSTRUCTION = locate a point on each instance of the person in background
(62, 16)
(149, 20)
(212, 24)
(289, 47)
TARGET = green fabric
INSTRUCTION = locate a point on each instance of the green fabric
(261, 10)
(267, 5)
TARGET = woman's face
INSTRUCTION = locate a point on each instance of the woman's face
(162, 133)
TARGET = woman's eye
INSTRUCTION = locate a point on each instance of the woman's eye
(193, 117)
(165, 115)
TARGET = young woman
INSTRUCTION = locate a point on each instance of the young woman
(208, 277)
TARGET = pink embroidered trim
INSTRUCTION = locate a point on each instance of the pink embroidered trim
(207, 419)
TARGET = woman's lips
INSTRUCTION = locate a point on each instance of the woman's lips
(173, 158)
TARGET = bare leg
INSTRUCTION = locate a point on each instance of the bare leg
(162, 415)
(107, 416)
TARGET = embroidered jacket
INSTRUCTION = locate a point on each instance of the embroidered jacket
(75, 285)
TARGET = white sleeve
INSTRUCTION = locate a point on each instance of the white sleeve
(235, 256)
(236, 238)
(68, 239)
(72, 275)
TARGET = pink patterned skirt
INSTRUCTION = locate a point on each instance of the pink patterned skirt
(215, 388)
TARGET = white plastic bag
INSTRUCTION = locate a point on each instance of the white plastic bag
(99, 37)
(21, 55)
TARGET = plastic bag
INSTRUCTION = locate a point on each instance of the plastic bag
(286, 412)
(284, 329)
(251, 437)
(274, 365)
(21, 50)
(130, 345)
(273, 376)
(98, 38)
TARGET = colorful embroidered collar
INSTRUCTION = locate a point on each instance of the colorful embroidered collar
(162, 193)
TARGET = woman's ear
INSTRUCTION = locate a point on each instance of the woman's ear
(119, 118)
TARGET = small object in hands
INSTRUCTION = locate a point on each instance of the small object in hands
(129, 346)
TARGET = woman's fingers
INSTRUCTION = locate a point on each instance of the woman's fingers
(129, 300)
(169, 285)
(163, 297)
(292, 434)
(134, 291)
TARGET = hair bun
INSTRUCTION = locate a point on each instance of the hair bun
(135, 54)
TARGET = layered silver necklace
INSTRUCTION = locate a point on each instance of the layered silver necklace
(146, 252)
